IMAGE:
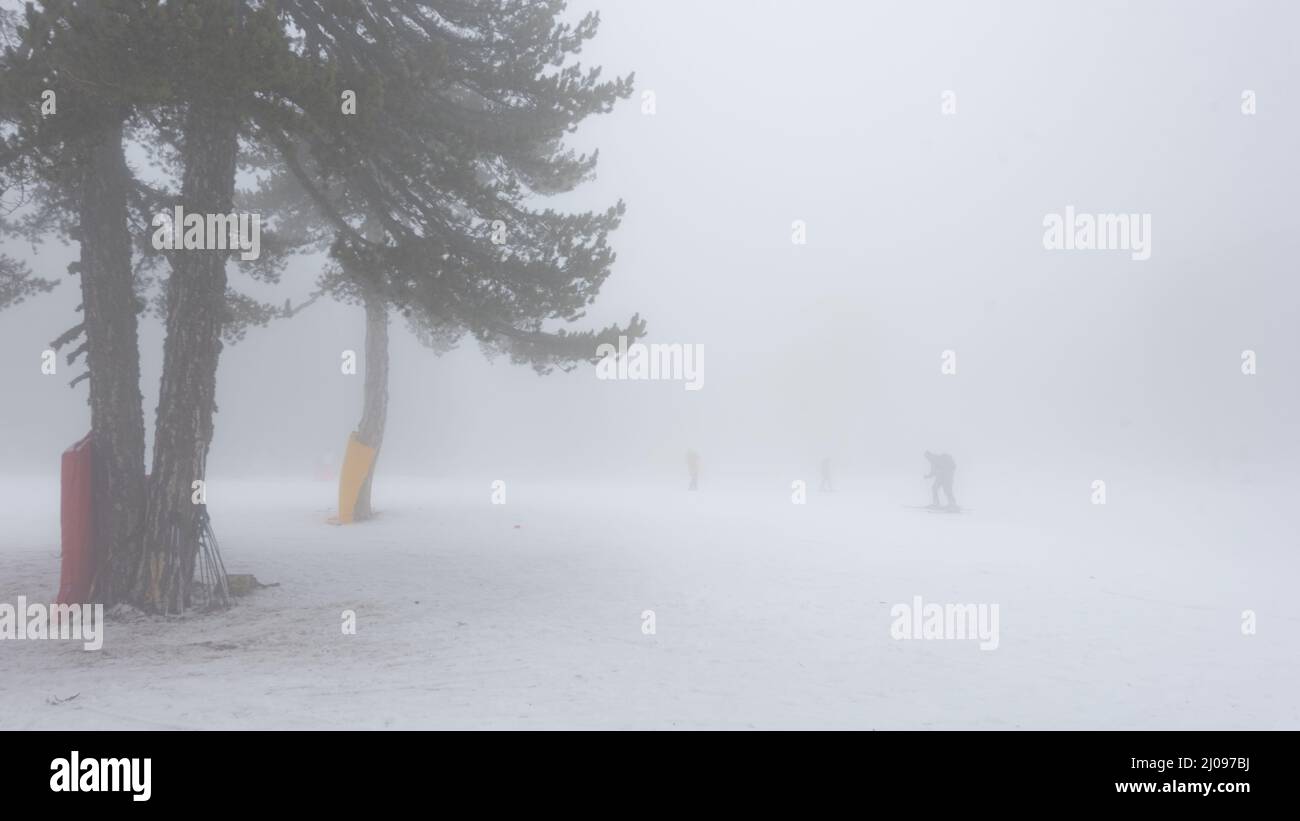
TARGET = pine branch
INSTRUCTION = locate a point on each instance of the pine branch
(68, 335)
(81, 349)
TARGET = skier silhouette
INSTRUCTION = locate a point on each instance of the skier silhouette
(693, 465)
(942, 467)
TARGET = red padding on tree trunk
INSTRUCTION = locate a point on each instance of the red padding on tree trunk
(76, 515)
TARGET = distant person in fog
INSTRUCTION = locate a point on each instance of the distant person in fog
(826, 475)
(942, 468)
(693, 466)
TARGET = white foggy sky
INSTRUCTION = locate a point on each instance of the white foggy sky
(924, 234)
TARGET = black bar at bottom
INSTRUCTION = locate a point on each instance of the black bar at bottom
(231, 770)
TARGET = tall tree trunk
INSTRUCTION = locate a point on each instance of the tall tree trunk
(196, 308)
(374, 411)
(110, 309)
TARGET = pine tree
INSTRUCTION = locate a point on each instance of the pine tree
(466, 106)
(429, 184)
(71, 77)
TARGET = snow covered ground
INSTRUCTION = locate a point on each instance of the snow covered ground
(767, 614)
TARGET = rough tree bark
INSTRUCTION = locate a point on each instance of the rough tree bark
(196, 294)
(110, 309)
(374, 410)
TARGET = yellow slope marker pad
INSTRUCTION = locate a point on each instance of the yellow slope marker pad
(356, 467)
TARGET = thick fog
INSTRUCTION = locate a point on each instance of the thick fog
(882, 225)
(924, 234)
